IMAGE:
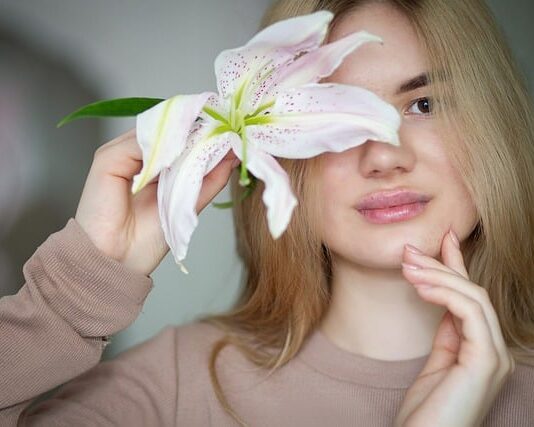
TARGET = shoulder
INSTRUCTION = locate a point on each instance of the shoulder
(521, 382)
(198, 336)
(514, 403)
(194, 343)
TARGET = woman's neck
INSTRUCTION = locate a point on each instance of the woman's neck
(378, 314)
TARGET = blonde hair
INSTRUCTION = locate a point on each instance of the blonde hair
(286, 282)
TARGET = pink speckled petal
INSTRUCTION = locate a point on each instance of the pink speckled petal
(179, 186)
(274, 45)
(162, 132)
(277, 196)
(312, 66)
(219, 105)
(320, 117)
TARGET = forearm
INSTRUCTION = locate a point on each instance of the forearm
(55, 327)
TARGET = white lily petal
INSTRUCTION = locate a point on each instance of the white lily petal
(295, 34)
(217, 105)
(179, 186)
(162, 132)
(318, 117)
(277, 196)
(311, 67)
(274, 45)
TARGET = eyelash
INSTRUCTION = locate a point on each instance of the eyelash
(416, 101)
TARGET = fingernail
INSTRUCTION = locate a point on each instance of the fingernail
(454, 238)
(410, 266)
(413, 249)
(235, 163)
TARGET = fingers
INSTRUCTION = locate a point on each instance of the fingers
(452, 255)
(442, 277)
(480, 348)
(451, 282)
(124, 144)
(216, 180)
(420, 258)
(126, 135)
(121, 157)
(461, 301)
(230, 155)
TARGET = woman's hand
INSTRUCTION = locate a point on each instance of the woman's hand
(125, 227)
(469, 361)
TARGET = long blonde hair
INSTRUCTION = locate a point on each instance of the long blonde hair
(286, 282)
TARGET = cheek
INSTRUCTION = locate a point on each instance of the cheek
(464, 203)
(332, 176)
(453, 205)
(335, 199)
(454, 186)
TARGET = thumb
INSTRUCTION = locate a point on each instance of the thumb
(214, 182)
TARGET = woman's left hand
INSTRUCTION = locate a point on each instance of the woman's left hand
(469, 361)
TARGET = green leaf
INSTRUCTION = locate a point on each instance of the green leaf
(119, 107)
(223, 205)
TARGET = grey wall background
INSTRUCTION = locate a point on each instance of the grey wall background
(67, 53)
(118, 49)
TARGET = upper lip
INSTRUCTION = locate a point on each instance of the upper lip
(388, 198)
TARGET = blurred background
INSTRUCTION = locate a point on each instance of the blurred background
(57, 55)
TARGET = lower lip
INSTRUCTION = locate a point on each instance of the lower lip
(394, 213)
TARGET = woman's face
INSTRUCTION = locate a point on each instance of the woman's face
(420, 163)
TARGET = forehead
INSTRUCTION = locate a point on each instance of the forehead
(377, 67)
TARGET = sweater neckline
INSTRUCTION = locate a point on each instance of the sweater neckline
(326, 357)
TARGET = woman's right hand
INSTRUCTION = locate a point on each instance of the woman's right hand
(127, 228)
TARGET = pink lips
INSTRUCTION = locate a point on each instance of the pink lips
(392, 206)
(386, 199)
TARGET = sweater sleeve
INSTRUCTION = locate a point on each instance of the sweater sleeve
(56, 327)
(137, 388)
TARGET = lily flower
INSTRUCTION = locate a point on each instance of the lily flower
(269, 104)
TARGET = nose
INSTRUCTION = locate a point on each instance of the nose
(379, 159)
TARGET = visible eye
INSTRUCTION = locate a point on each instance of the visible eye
(423, 104)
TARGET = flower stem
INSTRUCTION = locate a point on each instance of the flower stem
(244, 180)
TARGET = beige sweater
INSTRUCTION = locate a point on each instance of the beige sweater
(53, 331)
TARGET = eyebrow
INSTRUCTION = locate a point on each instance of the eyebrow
(414, 83)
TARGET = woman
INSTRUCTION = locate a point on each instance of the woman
(328, 310)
